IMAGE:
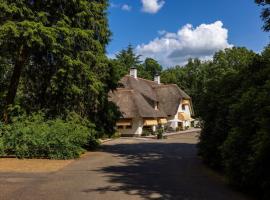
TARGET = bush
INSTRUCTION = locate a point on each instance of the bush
(2, 150)
(34, 137)
(147, 131)
(116, 135)
(160, 132)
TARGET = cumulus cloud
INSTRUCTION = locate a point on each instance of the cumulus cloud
(126, 7)
(152, 6)
(176, 48)
(113, 5)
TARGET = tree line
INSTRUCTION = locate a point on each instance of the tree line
(231, 96)
(53, 66)
(55, 78)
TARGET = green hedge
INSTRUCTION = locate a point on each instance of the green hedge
(236, 130)
(35, 137)
(1, 147)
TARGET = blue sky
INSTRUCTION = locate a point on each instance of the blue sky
(159, 28)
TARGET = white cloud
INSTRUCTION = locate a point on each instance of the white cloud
(126, 7)
(113, 5)
(176, 48)
(152, 6)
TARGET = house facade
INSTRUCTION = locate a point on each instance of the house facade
(146, 105)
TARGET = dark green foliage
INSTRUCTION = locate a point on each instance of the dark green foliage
(265, 13)
(221, 90)
(160, 132)
(191, 78)
(246, 150)
(127, 58)
(196, 76)
(34, 137)
(52, 58)
(149, 69)
(106, 120)
(231, 95)
(4, 77)
(2, 148)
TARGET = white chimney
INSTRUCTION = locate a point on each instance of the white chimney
(133, 72)
(157, 78)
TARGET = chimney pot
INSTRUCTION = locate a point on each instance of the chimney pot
(157, 78)
(133, 72)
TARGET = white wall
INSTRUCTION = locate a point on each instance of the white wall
(137, 124)
(187, 111)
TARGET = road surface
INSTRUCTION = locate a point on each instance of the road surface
(126, 169)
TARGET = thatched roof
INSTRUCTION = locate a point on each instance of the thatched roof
(132, 104)
(138, 97)
(169, 97)
(140, 85)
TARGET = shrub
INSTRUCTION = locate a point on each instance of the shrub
(2, 150)
(160, 132)
(92, 143)
(116, 135)
(147, 131)
(34, 137)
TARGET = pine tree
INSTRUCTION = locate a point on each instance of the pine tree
(56, 53)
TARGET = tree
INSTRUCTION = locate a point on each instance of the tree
(66, 68)
(245, 151)
(56, 50)
(126, 59)
(190, 78)
(149, 69)
(221, 89)
(4, 77)
(265, 13)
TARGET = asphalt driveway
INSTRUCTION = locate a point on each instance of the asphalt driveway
(126, 169)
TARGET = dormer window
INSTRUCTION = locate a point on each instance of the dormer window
(183, 107)
(156, 106)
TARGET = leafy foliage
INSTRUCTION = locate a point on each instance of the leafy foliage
(34, 137)
(246, 150)
(52, 58)
(265, 13)
(2, 148)
(127, 58)
(231, 96)
(149, 69)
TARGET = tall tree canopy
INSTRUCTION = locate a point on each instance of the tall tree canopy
(54, 54)
(265, 13)
(149, 69)
(128, 58)
(231, 95)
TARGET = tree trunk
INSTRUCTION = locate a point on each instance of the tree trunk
(14, 82)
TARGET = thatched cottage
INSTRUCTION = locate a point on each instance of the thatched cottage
(147, 104)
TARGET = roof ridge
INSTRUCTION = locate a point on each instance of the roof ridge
(165, 85)
(124, 90)
(142, 79)
(147, 80)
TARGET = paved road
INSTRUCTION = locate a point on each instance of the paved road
(126, 169)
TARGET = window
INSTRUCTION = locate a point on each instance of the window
(183, 107)
(128, 127)
(157, 106)
(120, 127)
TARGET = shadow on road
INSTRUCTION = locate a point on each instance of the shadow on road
(167, 171)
